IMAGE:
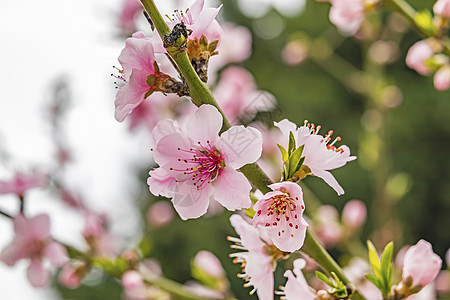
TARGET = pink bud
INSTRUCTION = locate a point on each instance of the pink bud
(421, 263)
(160, 214)
(132, 280)
(442, 78)
(69, 276)
(417, 55)
(354, 213)
(209, 264)
(442, 8)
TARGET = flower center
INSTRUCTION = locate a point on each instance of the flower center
(181, 17)
(204, 164)
(313, 129)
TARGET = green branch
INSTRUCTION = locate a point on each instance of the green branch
(201, 94)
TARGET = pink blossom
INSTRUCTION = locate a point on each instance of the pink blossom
(442, 78)
(32, 240)
(160, 214)
(238, 97)
(354, 213)
(20, 183)
(196, 164)
(347, 15)
(257, 264)
(281, 212)
(327, 226)
(443, 282)
(421, 264)
(209, 264)
(417, 56)
(442, 8)
(320, 155)
(128, 14)
(134, 286)
(96, 235)
(296, 286)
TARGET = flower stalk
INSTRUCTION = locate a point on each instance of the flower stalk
(200, 94)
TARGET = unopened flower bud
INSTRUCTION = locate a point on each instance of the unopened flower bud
(354, 213)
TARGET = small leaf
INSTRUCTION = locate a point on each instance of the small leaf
(373, 258)
(284, 153)
(386, 265)
(291, 146)
(424, 20)
(294, 161)
(325, 279)
(250, 212)
(375, 281)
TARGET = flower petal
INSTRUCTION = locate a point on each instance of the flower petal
(240, 146)
(205, 124)
(190, 202)
(248, 234)
(259, 268)
(232, 189)
(137, 54)
(37, 275)
(163, 128)
(160, 182)
(131, 94)
(56, 253)
(329, 179)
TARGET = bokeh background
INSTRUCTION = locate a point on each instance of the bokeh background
(391, 118)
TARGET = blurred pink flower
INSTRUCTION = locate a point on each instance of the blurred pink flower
(296, 286)
(71, 274)
(442, 78)
(347, 15)
(209, 264)
(281, 213)
(354, 213)
(134, 286)
(421, 263)
(417, 56)
(98, 238)
(128, 14)
(196, 164)
(20, 183)
(257, 264)
(320, 155)
(32, 240)
(442, 8)
(327, 227)
(443, 282)
(238, 97)
(160, 214)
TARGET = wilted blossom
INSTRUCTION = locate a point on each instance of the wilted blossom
(421, 264)
(347, 15)
(258, 258)
(321, 155)
(209, 264)
(417, 56)
(354, 213)
(238, 97)
(296, 286)
(442, 78)
(196, 164)
(442, 8)
(127, 17)
(32, 241)
(20, 183)
(281, 213)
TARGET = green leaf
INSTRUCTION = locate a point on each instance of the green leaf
(291, 146)
(325, 279)
(375, 281)
(284, 153)
(250, 212)
(424, 20)
(386, 265)
(294, 161)
(373, 258)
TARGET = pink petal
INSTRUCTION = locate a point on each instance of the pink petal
(196, 8)
(205, 124)
(297, 289)
(286, 127)
(329, 179)
(12, 253)
(131, 94)
(160, 182)
(240, 146)
(137, 54)
(189, 202)
(169, 149)
(421, 263)
(248, 234)
(232, 189)
(163, 128)
(259, 268)
(37, 275)
(56, 253)
(442, 78)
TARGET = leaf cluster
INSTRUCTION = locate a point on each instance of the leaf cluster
(292, 158)
(383, 268)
